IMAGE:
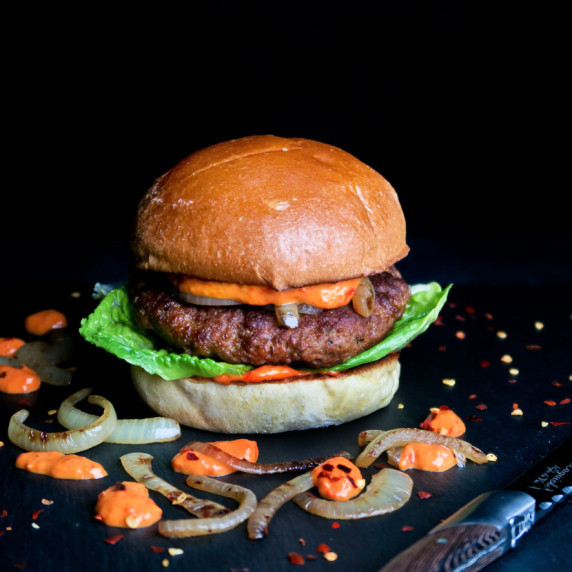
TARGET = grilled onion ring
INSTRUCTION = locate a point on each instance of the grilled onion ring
(258, 468)
(36, 355)
(388, 490)
(260, 519)
(400, 438)
(363, 300)
(128, 431)
(138, 465)
(64, 441)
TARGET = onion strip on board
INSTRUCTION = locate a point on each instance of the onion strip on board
(35, 356)
(260, 519)
(368, 435)
(139, 466)
(127, 431)
(388, 490)
(64, 441)
(258, 468)
(401, 437)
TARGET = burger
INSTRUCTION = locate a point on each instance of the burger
(265, 296)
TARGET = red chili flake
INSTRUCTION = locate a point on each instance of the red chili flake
(550, 402)
(565, 401)
(37, 513)
(295, 558)
(557, 384)
(3, 513)
(512, 380)
(533, 347)
(481, 406)
(474, 418)
(424, 495)
(302, 541)
(515, 405)
(311, 557)
(114, 539)
(473, 396)
(469, 310)
(557, 423)
(25, 402)
(157, 549)
(406, 528)
(460, 335)
(438, 321)
(323, 548)
(335, 525)
(20, 565)
(488, 316)
(442, 348)
(460, 318)
(484, 363)
(452, 304)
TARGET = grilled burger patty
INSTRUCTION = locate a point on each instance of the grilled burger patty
(251, 335)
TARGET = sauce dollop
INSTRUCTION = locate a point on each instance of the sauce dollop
(42, 322)
(338, 479)
(127, 505)
(444, 421)
(9, 346)
(426, 457)
(60, 466)
(18, 379)
(192, 462)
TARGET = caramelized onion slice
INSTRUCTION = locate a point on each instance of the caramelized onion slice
(139, 466)
(259, 468)
(260, 519)
(205, 300)
(287, 315)
(35, 355)
(127, 431)
(388, 490)
(400, 438)
(368, 435)
(64, 441)
(363, 300)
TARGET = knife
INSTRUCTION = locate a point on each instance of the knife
(492, 523)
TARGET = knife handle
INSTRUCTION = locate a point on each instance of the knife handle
(464, 546)
(478, 533)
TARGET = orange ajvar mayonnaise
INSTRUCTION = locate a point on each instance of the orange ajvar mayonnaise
(42, 322)
(127, 504)
(60, 466)
(326, 296)
(9, 346)
(426, 457)
(18, 379)
(267, 373)
(444, 421)
(192, 462)
(338, 479)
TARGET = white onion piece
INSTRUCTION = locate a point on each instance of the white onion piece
(32, 355)
(363, 300)
(11, 361)
(64, 441)
(308, 309)
(388, 490)
(139, 466)
(205, 300)
(368, 435)
(287, 315)
(260, 519)
(127, 431)
(401, 437)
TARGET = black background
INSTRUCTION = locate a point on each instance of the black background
(458, 104)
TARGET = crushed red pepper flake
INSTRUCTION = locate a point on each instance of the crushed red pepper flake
(512, 380)
(469, 310)
(481, 406)
(37, 513)
(460, 318)
(488, 316)
(113, 539)
(311, 557)
(26, 403)
(564, 401)
(302, 541)
(515, 405)
(484, 363)
(335, 525)
(442, 348)
(323, 548)
(296, 558)
(549, 402)
(424, 495)
(474, 418)
(406, 528)
(532, 347)
(558, 423)
(460, 335)
(3, 513)
(473, 396)
(157, 549)
(557, 384)
(438, 321)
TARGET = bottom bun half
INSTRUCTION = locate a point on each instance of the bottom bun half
(272, 407)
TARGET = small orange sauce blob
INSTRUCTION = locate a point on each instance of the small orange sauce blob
(445, 422)
(42, 322)
(60, 466)
(9, 346)
(127, 504)
(426, 457)
(18, 379)
(192, 462)
(267, 373)
(338, 479)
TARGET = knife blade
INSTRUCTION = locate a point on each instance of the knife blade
(492, 523)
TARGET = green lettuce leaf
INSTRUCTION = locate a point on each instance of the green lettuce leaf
(111, 326)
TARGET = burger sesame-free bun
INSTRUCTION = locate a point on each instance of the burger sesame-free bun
(272, 407)
(272, 211)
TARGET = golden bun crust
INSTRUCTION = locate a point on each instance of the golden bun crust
(273, 211)
(272, 407)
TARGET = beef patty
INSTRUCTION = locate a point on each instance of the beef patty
(251, 335)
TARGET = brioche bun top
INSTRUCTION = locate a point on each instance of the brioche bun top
(272, 211)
